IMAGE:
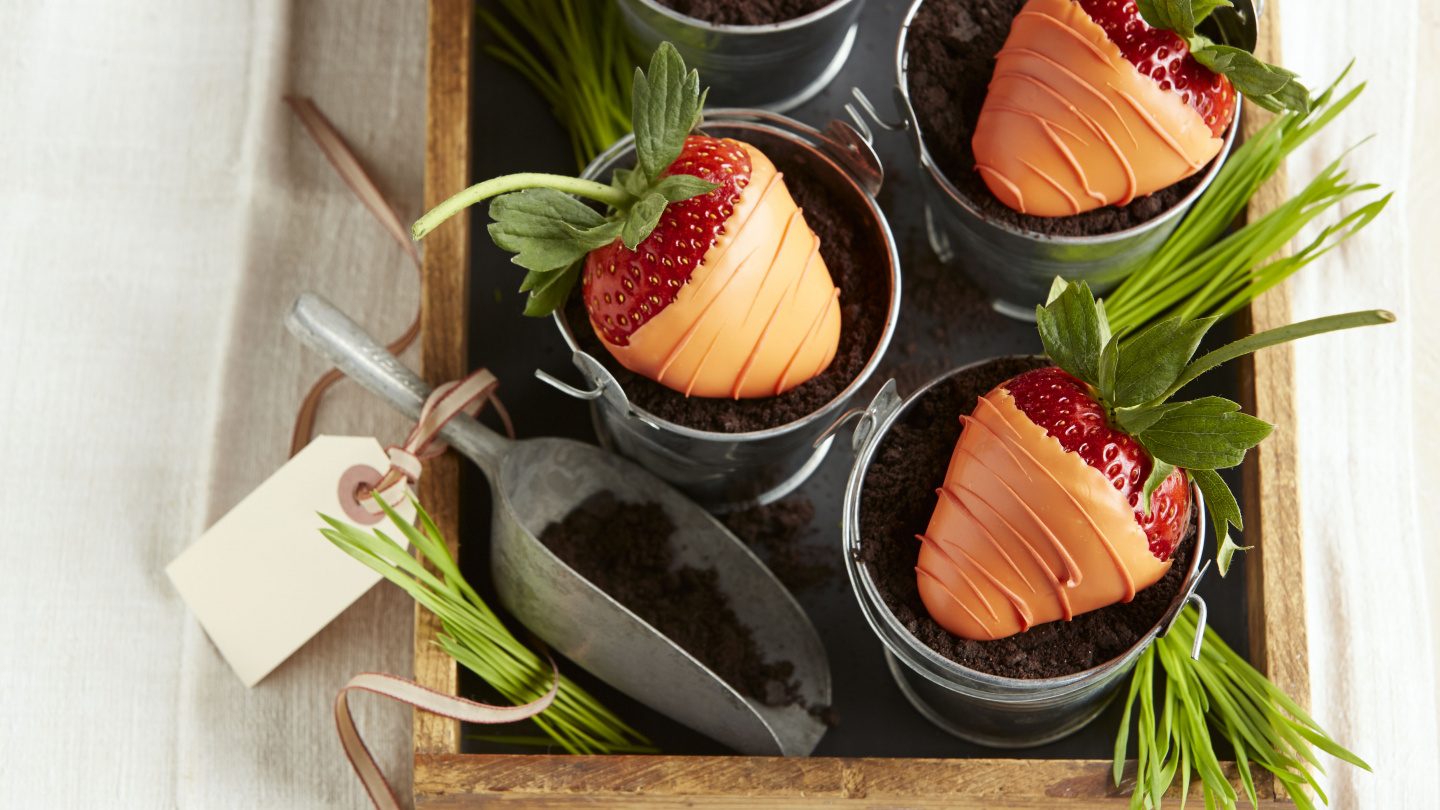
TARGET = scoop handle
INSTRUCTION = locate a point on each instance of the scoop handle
(330, 333)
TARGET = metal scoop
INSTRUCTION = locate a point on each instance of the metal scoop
(538, 481)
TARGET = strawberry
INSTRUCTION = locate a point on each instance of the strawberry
(1097, 102)
(1070, 486)
(1164, 56)
(1070, 413)
(624, 288)
(761, 315)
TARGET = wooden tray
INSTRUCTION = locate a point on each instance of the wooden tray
(445, 777)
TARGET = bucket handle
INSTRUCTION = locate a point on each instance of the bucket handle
(868, 107)
(605, 387)
(1202, 615)
(886, 400)
(568, 389)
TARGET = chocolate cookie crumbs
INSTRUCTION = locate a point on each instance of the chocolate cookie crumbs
(898, 499)
(625, 550)
(858, 264)
(951, 49)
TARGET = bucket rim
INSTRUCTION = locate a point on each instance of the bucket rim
(803, 136)
(932, 169)
(802, 21)
(930, 664)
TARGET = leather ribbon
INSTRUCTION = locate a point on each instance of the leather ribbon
(343, 159)
(445, 403)
(382, 795)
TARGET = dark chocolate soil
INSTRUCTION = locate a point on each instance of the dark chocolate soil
(745, 12)
(624, 549)
(858, 264)
(951, 48)
(774, 531)
(898, 498)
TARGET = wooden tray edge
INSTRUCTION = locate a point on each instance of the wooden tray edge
(641, 781)
(444, 305)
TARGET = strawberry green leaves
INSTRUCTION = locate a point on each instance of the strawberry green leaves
(645, 213)
(1073, 330)
(540, 218)
(1134, 377)
(1151, 361)
(666, 107)
(1209, 433)
(545, 229)
(1180, 16)
(1159, 471)
(1269, 86)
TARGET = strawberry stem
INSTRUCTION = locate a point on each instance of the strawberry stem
(494, 187)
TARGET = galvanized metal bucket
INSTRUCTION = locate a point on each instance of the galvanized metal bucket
(729, 470)
(977, 706)
(1015, 265)
(778, 66)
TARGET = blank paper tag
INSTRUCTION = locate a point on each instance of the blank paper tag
(263, 581)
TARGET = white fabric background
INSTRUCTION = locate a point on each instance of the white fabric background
(158, 210)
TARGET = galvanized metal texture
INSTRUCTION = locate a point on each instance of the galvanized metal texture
(1015, 265)
(731, 470)
(777, 66)
(977, 706)
(537, 481)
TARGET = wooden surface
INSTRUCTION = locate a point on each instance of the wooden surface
(751, 782)
(1274, 569)
(444, 297)
(443, 777)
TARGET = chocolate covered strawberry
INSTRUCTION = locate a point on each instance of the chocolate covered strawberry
(702, 274)
(1070, 486)
(1097, 102)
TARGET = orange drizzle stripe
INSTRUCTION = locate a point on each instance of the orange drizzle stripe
(1005, 181)
(784, 299)
(814, 327)
(1079, 80)
(1156, 128)
(959, 504)
(1072, 33)
(946, 588)
(1055, 184)
(770, 267)
(1027, 618)
(1005, 108)
(690, 386)
(1014, 438)
(690, 333)
(1074, 163)
(989, 608)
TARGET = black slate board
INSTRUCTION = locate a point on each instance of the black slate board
(943, 324)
